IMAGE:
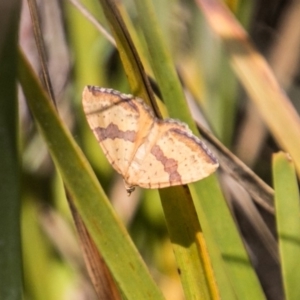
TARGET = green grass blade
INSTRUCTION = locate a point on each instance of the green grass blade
(177, 216)
(162, 64)
(134, 72)
(207, 195)
(133, 67)
(108, 233)
(288, 222)
(213, 210)
(189, 247)
(178, 206)
(10, 245)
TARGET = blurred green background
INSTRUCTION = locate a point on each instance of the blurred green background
(77, 54)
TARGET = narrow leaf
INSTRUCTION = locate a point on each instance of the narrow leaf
(10, 195)
(108, 233)
(208, 195)
(288, 222)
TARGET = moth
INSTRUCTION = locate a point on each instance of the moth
(146, 151)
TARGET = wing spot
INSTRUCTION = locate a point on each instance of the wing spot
(170, 165)
(112, 131)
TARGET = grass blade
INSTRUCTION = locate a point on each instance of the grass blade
(178, 206)
(257, 78)
(10, 195)
(288, 222)
(106, 230)
(103, 282)
(130, 58)
(212, 209)
(133, 67)
(207, 196)
(193, 260)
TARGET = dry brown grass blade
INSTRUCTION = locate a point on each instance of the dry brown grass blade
(137, 78)
(256, 77)
(232, 165)
(100, 275)
(284, 60)
(41, 48)
(98, 271)
(87, 14)
(284, 57)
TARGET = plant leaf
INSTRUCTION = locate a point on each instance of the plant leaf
(10, 246)
(106, 230)
(288, 222)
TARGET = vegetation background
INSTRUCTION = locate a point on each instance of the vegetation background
(63, 236)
